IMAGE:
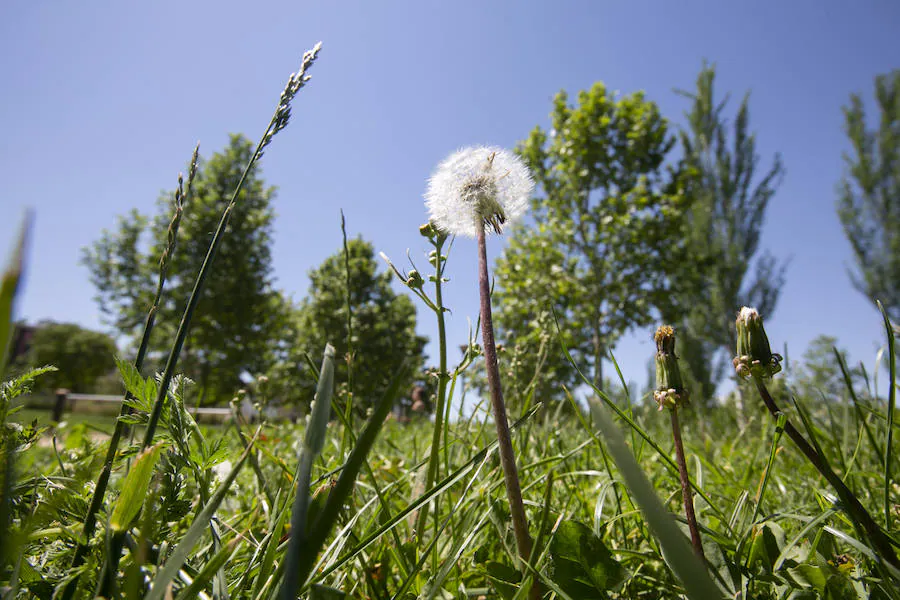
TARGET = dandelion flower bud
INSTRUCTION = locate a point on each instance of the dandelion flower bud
(670, 391)
(414, 280)
(754, 356)
(478, 187)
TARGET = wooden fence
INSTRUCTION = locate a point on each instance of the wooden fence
(66, 401)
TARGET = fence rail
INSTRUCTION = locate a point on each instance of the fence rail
(65, 401)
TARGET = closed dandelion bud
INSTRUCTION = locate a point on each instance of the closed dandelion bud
(414, 280)
(754, 355)
(670, 391)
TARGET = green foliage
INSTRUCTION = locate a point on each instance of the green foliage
(81, 356)
(726, 269)
(582, 565)
(819, 373)
(384, 328)
(240, 322)
(606, 233)
(869, 194)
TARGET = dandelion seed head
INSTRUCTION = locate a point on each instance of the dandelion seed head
(479, 186)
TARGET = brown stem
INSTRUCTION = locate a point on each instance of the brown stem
(686, 487)
(852, 506)
(507, 457)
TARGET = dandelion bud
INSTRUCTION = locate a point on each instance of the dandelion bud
(754, 356)
(414, 280)
(670, 391)
(427, 230)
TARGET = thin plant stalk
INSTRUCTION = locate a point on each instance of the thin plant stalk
(90, 521)
(278, 122)
(686, 492)
(507, 457)
(859, 515)
(434, 458)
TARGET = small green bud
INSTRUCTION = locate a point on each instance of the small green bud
(428, 230)
(754, 356)
(670, 391)
(414, 280)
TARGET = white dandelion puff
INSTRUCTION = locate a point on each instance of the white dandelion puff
(479, 186)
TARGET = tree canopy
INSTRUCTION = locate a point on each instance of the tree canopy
(605, 235)
(869, 194)
(81, 356)
(383, 328)
(726, 268)
(241, 316)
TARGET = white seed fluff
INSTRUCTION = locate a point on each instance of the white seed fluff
(479, 186)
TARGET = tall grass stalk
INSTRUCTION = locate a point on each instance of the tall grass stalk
(279, 121)
(182, 195)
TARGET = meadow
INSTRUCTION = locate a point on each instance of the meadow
(793, 497)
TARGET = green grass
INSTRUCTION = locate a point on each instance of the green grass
(564, 479)
(377, 509)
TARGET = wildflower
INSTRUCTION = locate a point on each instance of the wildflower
(474, 191)
(754, 356)
(670, 391)
(479, 186)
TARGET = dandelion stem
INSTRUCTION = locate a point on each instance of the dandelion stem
(851, 505)
(507, 457)
(686, 486)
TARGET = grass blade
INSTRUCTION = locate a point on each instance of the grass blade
(892, 404)
(676, 549)
(344, 486)
(9, 287)
(313, 443)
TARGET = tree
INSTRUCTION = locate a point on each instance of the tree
(238, 322)
(81, 356)
(820, 375)
(869, 195)
(383, 325)
(605, 234)
(726, 269)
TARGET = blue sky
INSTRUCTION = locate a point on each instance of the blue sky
(103, 102)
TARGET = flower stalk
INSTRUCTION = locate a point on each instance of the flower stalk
(756, 361)
(670, 393)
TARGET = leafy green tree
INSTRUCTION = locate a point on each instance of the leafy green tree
(726, 269)
(869, 195)
(383, 328)
(241, 316)
(605, 234)
(80, 355)
(819, 374)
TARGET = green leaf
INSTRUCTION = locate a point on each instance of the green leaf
(505, 578)
(9, 286)
(322, 592)
(134, 489)
(582, 565)
(766, 547)
(200, 524)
